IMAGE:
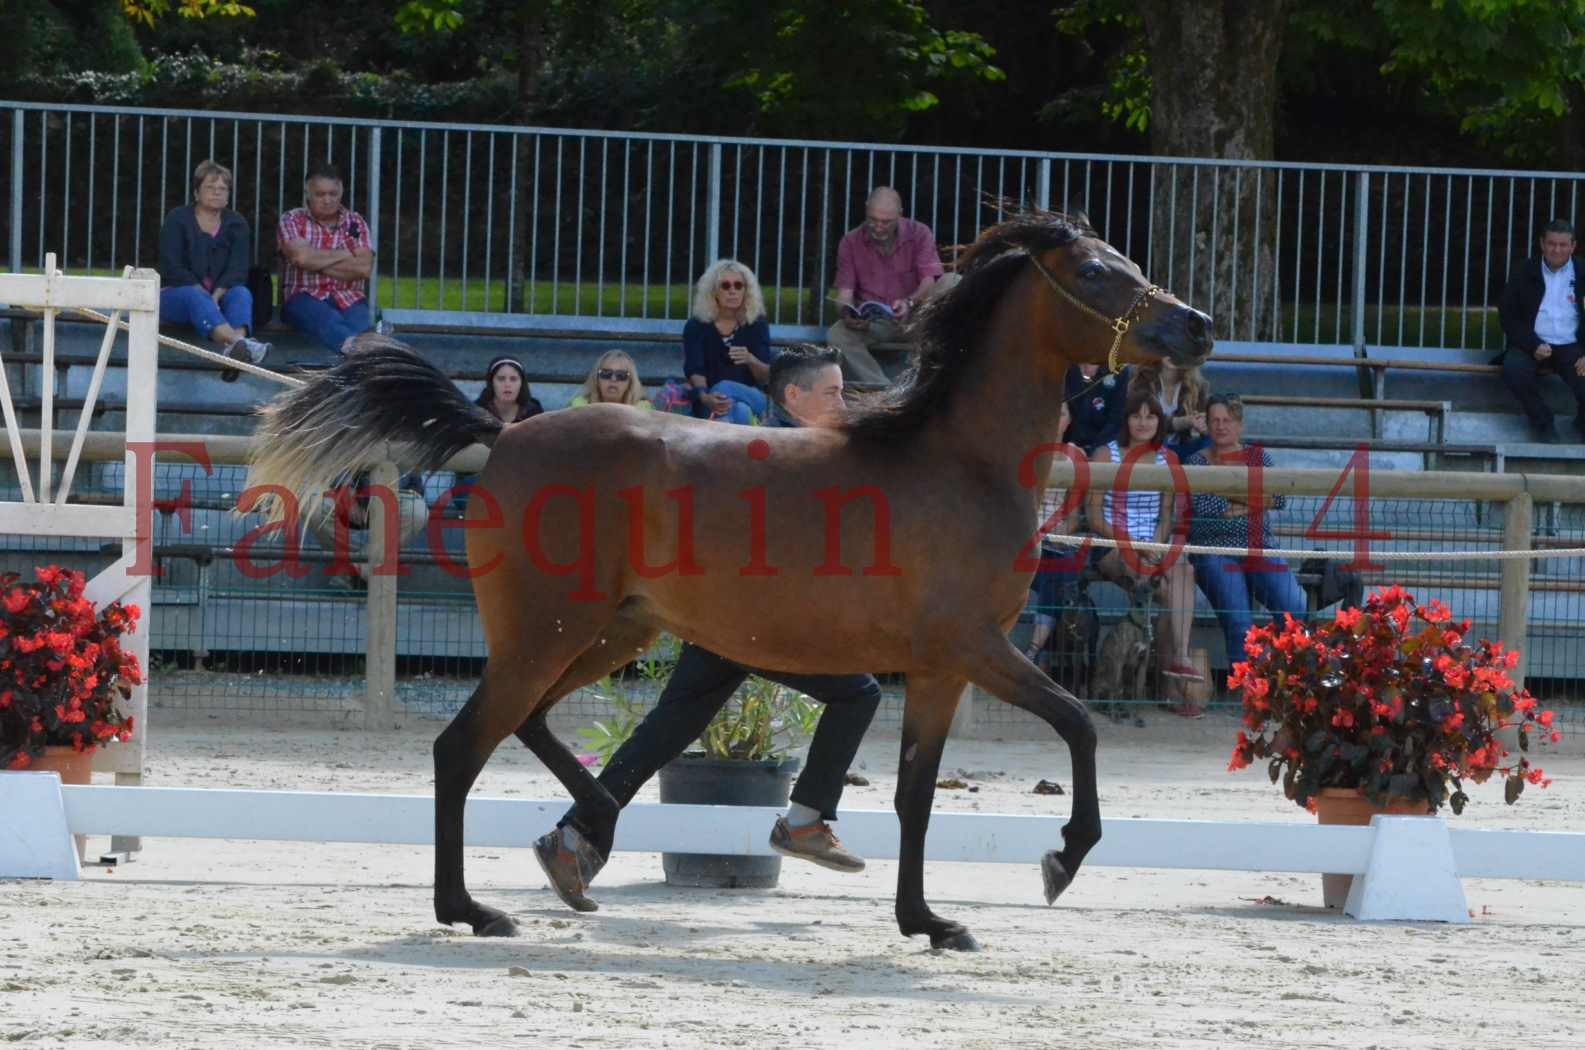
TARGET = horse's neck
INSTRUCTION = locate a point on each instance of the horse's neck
(1011, 404)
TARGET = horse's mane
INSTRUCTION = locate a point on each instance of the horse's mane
(948, 327)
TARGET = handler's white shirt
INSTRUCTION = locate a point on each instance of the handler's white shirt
(1557, 321)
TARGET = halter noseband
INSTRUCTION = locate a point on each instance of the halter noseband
(1118, 325)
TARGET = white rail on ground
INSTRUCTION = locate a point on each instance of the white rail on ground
(1410, 865)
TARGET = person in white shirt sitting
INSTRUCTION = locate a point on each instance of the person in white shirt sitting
(1540, 315)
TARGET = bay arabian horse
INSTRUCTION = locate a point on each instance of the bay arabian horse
(591, 532)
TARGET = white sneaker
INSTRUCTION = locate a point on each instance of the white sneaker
(258, 349)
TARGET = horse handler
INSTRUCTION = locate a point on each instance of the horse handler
(806, 390)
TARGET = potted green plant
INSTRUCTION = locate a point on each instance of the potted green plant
(1384, 709)
(743, 758)
(63, 674)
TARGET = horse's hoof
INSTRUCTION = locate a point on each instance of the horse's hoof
(569, 871)
(1055, 875)
(494, 924)
(955, 940)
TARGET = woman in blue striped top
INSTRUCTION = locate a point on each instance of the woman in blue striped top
(1144, 517)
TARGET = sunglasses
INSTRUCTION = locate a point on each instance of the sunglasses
(732, 286)
(619, 374)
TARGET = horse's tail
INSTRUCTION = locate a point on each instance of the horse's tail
(383, 402)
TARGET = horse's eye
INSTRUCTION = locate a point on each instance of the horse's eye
(1092, 269)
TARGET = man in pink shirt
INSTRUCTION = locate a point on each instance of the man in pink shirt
(889, 260)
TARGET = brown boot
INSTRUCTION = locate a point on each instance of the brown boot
(814, 842)
(569, 870)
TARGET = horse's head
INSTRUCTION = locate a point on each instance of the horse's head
(1113, 313)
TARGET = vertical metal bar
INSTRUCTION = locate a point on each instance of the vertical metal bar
(1172, 231)
(957, 198)
(781, 226)
(1447, 226)
(693, 216)
(1485, 271)
(1361, 255)
(627, 159)
(445, 196)
(47, 392)
(1276, 254)
(577, 243)
(280, 183)
(511, 235)
(1216, 241)
(1381, 262)
(489, 224)
(759, 208)
(913, 182)
(1321, 256)
(533, 235)
(18, 130)
(137, 222)
(803, 218)
(371, 215)
(1403, 256)
(1150, 225)
(935, 196)
(44, 154)
(1298, 254)
(258, 180)
(115, 184)
(737, 199)
(66, 212)
(1254, 260)
(671, 195)
(712, 218)
(599, 266)
(1001, 185)
(1194, 225)
(395, 252)
(825, 233)
(467, 210)
(418, 251)
(1425, 258)
(649, 170)
(1342, 225)
(1463, 305)
(1128, 220)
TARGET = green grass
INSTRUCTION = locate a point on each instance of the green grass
(585, 299)
(1442, 327)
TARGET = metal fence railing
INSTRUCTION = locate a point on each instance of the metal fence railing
(480, 221)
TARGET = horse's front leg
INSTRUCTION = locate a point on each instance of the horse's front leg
(927, 715)
(1001, 670)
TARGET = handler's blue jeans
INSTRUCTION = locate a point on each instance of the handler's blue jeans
(191, 304)
(1230, 590)
(321, 320)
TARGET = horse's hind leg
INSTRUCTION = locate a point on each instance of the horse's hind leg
(927, 715)
(1001, 670)
(504, 698)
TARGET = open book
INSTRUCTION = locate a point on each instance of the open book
(869, 310)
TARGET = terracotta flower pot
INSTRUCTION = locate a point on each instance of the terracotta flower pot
(73, 767)
(1350, 807)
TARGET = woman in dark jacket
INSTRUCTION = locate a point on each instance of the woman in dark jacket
(204, 255)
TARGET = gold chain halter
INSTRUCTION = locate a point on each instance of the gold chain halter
(1118, 325)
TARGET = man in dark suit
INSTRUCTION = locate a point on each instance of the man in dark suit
(1541, 319)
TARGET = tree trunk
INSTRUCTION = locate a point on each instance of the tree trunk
(1213, 67)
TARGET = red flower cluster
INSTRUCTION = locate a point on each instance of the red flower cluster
(63, 672)
(1388, 699)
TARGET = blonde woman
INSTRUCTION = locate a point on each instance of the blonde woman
(612, 381)
(1183, 393)
(726, 345)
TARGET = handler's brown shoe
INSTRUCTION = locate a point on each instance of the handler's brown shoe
(813, 842)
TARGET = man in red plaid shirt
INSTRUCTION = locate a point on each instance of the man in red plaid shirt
(326, 263)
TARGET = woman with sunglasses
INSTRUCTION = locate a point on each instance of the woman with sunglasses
(726, 345)
(612, 381)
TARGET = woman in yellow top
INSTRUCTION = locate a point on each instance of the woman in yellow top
(614, 381)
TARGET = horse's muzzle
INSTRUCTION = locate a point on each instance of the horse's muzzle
(1183, 335)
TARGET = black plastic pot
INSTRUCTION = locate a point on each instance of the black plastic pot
(696, 780)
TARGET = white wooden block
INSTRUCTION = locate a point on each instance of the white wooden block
(1410, 875)
(35, 841)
